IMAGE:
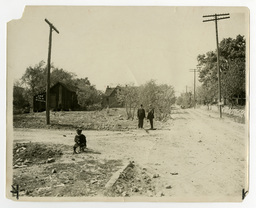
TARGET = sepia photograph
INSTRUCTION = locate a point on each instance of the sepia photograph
(128, 104)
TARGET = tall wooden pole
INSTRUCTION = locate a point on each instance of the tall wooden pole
(194, 70)
(48, 79)
(218, 65)
(216, 18)
(194, 89)
(49, 72)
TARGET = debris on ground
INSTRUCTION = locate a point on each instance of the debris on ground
(59, 177)
(156, 176)
(133, 181)
(30, 153)
(174, 173)
(160, 194)
(50, 160)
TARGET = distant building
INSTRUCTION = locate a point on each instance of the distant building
(110, 97)
(61, 98)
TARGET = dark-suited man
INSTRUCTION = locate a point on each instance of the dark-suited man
(151, 116)
(141, 115)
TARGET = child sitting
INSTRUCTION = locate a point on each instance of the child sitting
(80, 141)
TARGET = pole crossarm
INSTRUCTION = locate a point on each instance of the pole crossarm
(213, 15)
(52, 26)
(216, 19)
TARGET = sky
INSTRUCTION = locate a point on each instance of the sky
(120, 45)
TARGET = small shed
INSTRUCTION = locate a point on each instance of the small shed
(61, 98)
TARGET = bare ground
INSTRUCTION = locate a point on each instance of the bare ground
(194, 156)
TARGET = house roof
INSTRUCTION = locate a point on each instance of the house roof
(60, 83)
(109, 91)
(71, 89)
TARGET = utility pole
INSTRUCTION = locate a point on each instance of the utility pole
(216, 18)
(194, 70)
(49, 72)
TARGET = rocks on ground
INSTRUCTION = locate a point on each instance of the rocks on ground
(133, 181)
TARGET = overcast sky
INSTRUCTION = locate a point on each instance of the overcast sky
(120, 45)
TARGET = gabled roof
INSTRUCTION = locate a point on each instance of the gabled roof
(58, 83)
(109, 91)
(65, 86)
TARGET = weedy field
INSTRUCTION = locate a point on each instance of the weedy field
(111, 119)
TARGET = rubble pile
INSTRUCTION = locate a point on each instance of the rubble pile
(39, 171)
(133, 181)
(27, 154)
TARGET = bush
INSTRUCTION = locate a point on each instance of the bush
(94, 107)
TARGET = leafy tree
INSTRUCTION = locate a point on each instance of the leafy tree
(185, 100)
(149, 93)
(179, 100)
(34, 80)
(129, 95)
(232, 67)
(60, 75)
(161, 97)
(165, 99)
(19, 98)
(87, 94)
(205, 95)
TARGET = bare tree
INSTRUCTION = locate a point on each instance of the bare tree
(129, 95)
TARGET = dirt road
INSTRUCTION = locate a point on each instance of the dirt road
(197, 155)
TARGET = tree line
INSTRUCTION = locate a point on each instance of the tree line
(233, 75)
(33, 82)
(161, 97)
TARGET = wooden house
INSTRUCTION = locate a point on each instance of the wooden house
(110, 97)
(61, 98)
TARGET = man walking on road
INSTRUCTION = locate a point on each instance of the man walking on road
(151, 116)
(141, 115)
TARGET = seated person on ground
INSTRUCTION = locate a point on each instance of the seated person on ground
(80, 141)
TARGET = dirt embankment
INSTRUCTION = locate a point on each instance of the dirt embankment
(236, 114)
